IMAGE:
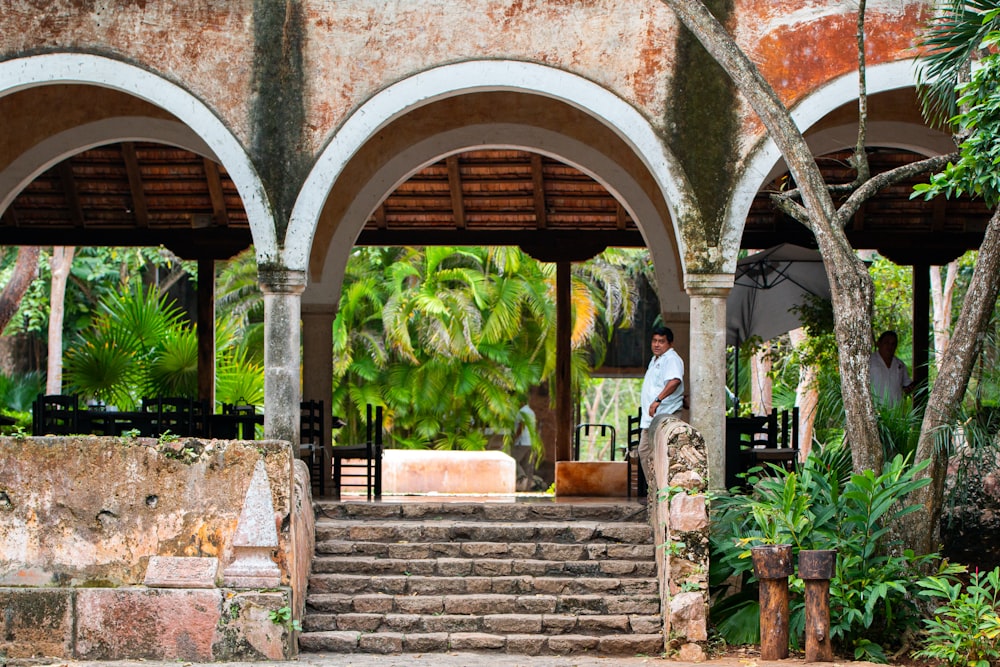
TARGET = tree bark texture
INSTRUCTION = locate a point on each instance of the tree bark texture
(60, 264)
(922, 528)
(25, 272)
(851, 286)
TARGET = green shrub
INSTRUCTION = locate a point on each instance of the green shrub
(965, 629)
(822, 505)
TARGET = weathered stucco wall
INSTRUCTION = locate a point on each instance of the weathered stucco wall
(83, 518)
(328, 58)
(285, 76)
(799, 45)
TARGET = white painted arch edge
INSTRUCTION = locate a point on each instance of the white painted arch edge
(51, 68)
(809, 111)
(499, 135)
(472, 77)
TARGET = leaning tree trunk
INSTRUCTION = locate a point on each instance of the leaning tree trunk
(923, 526)
(850, 284)
(25, 272)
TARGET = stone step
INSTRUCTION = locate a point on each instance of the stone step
(448, 530)
(484, 567)
(546, 510)
(349, 641)
(531, 550)
(395, 584)
(641, 604)
(587, 624)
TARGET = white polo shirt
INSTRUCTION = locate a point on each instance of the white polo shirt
(888, 381)
(661, 370)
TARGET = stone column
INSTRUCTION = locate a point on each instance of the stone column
(282, 331)
(707, 367)
(317, 365)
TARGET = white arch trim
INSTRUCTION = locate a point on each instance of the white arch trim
(472, 77)
(499, 135)
(809, 111)
(56, 148)
(52, 68)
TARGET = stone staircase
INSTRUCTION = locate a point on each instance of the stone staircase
(530, 578)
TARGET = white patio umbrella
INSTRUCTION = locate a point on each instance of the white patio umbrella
(768, 286)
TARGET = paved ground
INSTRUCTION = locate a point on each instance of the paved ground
(470, 660)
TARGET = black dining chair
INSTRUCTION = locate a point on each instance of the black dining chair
(55, 414)
(238, 422)
(312, 443)
(175, 414)
(600, 431)
(361, 464)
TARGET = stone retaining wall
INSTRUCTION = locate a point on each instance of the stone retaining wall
(129, 548)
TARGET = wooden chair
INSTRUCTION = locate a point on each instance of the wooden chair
(601, 430)
(54, 414)
(781, 446)
(349, 460)
(312, 443)
(636, 477)
(171, 413)
(238, 422)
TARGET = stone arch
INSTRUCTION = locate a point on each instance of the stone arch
(202, 130)
(765, 162)
(503, 104)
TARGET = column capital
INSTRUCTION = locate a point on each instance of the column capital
(276, 280)
(708, 284)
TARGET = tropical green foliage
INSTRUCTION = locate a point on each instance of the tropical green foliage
(965, 628)
(96, 273)
(952, 40)
(140, 344)
(978, 117)
(131, 351)
(16, 395)
(451, 340)
(822, 505)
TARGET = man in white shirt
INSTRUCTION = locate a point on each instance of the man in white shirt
(662, 393)
(890, 380)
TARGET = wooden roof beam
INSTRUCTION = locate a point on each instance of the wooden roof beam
(139, 209)
(65, 170)
(219, 211)
(457, 196)
(538, 187)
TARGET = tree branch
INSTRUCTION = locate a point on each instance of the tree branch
(872, 186)
(784, 202)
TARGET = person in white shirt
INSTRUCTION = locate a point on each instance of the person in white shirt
(662, 393)
(890, 380)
